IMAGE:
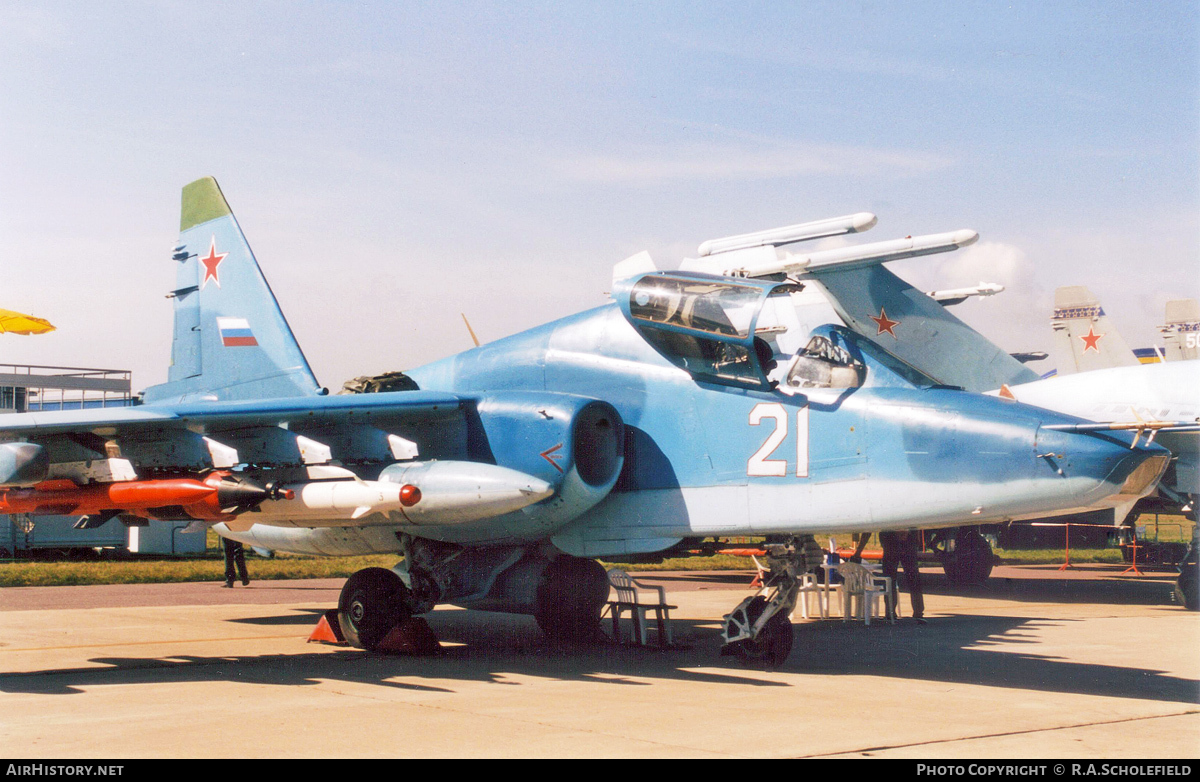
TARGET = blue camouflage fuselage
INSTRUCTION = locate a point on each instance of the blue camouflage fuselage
(703, 459)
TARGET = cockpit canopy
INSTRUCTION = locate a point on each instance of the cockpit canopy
(822, 364)
(704, 324)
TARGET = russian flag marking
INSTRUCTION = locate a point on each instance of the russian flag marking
(236, 333)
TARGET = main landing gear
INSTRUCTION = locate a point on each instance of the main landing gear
(373, 601)
(966, 556)
(759, 630)
(565, 594)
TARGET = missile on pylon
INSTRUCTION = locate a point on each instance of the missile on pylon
(418, 493)
(218, 496)
(954, 296)
(803, 232)
(850, 257)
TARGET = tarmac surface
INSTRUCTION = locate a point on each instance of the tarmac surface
(1037, 664)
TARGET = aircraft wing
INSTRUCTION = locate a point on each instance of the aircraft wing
(916, 329)
(298, 430)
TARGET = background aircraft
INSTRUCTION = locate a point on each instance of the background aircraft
(1099, 378)
(692, 405)
(1181, 332)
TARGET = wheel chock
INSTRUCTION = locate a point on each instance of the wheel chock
(328, 631)
(412, 636)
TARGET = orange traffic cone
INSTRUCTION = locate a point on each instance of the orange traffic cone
(328, 631)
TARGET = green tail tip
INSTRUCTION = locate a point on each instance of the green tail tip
(202, 201)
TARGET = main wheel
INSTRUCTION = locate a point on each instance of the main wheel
(966, 557)
(373, 601)
(570, 598)
(774, 642)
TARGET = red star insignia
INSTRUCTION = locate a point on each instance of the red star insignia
(1091, 339)
(884, 323)
(211, 263)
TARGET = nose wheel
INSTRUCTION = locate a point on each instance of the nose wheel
(773, 643)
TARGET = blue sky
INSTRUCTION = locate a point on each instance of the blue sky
(397, 164)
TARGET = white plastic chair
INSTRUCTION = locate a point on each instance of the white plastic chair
(810, 586)
(629, 592)
(859, 584)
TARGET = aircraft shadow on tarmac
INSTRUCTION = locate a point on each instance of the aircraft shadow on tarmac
(1103, 584)
(965, 649)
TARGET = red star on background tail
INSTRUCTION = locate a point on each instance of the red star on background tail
(1091, 339)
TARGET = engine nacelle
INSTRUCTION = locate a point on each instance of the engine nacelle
(574, 443)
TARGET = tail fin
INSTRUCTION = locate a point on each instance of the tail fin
(918, 330)
(231, 340)
(1181, 333)
(1084, 339)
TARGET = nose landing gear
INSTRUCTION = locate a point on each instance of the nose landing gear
(759, 630)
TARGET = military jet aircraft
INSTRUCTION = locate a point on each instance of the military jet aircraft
(1114, 390)
(694, 404)
(1076, 309)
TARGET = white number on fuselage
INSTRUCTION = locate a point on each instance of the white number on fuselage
(761, 463)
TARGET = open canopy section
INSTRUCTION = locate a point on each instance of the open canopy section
(703, 324)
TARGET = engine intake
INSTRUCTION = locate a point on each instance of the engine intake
(574, 443)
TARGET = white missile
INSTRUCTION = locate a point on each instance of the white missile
(959, 295)
(856, 255)
(425, 493)
(818, 229)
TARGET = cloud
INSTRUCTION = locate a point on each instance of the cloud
(988, 262)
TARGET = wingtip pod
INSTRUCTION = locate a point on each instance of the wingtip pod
(202, 201)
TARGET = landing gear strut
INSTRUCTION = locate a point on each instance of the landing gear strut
(759, 630)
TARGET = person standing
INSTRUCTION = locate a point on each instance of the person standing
(235, 563)
(900, 550)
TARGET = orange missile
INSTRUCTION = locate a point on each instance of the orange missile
(67, 498)
(219, 496)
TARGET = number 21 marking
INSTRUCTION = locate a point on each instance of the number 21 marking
(760, 463)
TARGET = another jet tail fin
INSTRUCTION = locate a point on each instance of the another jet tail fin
(1084, 339)
(231, 340)
(1181, 333)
